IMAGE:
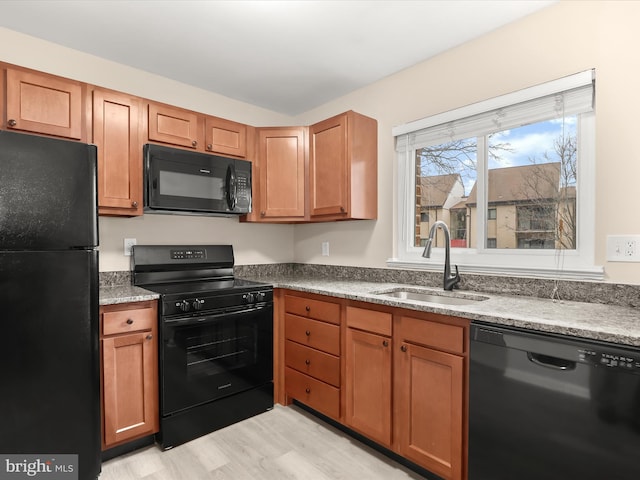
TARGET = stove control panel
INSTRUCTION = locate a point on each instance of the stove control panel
(254, 297)
(188, 254)
(204, 304)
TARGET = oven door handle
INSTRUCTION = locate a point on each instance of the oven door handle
(215, 317)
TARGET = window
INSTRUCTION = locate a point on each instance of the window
(512, 177)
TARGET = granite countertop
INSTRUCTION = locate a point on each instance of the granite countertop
(607, 323)
(110, 295)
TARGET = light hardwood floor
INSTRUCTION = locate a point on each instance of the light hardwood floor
(284, 443)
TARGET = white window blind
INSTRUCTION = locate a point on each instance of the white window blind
(567, 96)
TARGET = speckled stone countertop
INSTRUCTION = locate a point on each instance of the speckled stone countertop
(609, 323)
(110, 295)
(617, 323)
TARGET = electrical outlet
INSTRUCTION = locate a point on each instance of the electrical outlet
(623, 248)
(128, 243)
(325, 249)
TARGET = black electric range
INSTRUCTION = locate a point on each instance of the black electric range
(216, 338)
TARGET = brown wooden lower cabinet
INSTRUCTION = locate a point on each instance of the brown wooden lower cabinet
(429, 402)
(129, 372)
(368, 385)
(404, 382)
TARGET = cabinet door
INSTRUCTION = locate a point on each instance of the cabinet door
(429, 403)
(281, 163)
(175, 126)
(115, 132)
(328, 167)
(368, 384)
(41, 103)
(225, 137)
(130, 386)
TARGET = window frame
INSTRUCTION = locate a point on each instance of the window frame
(576, 264)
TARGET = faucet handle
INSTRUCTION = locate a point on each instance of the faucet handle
(456, 277)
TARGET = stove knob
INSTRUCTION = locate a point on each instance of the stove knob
(249, 297)
(261, 296)
(197, 304)
(185, 306)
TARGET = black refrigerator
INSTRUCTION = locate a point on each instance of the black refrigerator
(49, 350)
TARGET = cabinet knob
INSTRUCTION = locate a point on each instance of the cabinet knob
(194, 143)
(307, 308)
(307, 390)
(342, 209)
(12, 122)
(209, 146)
(263, 213)
(403, 348)
(129, 321)
(307, 333)
(307, 362)
(149, 337)
(134, 204)
(385, 343)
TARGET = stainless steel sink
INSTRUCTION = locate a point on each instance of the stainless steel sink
(461, 299)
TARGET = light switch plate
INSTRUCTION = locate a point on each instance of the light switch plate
(623, 248)
(325, 249)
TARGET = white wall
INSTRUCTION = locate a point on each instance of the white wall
(566, 38)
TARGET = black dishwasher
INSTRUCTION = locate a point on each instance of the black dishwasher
(544, 406)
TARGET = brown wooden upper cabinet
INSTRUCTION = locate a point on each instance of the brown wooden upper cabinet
(41, 103)
(279, 193)
(175, 126)
(343, 168)
(116, 125)
(331, 176)
(225, 137)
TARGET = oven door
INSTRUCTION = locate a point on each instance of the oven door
(214, 356)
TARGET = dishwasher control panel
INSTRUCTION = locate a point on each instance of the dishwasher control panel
(610, 359)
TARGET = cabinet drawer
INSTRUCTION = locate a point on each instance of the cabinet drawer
(316, 309)
(312, 333)
(369, 320)
(124, 321)
(314, 393)
(433, 334)
(313, 362)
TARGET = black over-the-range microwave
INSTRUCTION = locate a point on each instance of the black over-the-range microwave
(182, 182)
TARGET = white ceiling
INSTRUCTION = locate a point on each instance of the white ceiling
(286, 56)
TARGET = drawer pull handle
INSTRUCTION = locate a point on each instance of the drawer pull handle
(149, 337)
(307, 333)
(403, 348)
(307, 390)
(307, 362)
(129, 321)
(307, 308)
(385, 343)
